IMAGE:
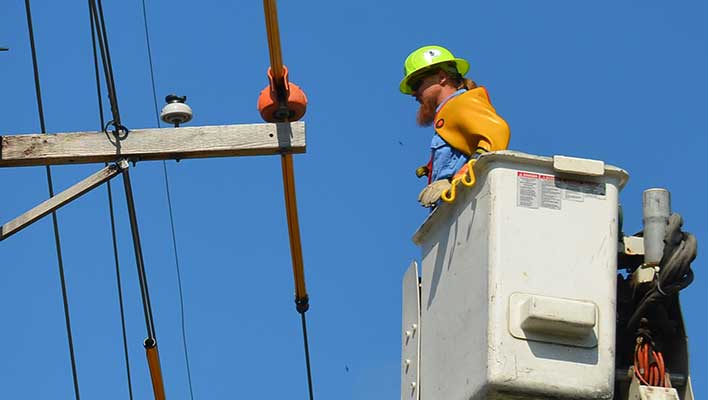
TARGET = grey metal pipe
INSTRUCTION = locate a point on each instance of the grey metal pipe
(656, 207)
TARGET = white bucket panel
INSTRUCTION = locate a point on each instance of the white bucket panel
(519, 280)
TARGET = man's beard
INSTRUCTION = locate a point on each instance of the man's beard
(426, 112)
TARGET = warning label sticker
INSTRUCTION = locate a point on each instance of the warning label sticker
(547, 191)
(550, 194)
(527, 190)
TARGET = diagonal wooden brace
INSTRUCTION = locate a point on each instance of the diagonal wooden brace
(61, 199)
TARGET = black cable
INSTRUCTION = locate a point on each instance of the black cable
(111, 213)
(307, 354)
(179, 282)
(680, 250)
(152, 71)
(100, 23)
(169, 205)
(50, 185)
(120, 292)
(142, 277)
(99, 95)
(675, 272)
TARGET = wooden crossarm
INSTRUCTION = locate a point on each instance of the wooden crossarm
(153, 144)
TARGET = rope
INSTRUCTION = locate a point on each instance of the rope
(50, 185)
(169, 207)
(111, 213)
(675, 274)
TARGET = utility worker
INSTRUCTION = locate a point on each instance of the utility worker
(466, 125)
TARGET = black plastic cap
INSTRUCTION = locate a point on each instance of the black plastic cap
(173, 98)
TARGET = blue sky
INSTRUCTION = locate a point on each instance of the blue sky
(620, 81)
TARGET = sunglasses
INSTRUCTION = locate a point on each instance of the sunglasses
(417, 81)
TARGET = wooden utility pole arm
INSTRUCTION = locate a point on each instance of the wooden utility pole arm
(153, 144)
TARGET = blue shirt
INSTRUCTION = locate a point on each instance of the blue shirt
(446, 159)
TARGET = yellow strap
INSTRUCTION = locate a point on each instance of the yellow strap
(467, 178)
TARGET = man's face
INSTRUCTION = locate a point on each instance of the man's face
(426, 92)
(424, 87)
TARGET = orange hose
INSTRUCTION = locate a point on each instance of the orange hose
(640, 365)
(649, 373)
(662, 369)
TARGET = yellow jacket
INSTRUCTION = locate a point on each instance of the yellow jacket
(469, 122)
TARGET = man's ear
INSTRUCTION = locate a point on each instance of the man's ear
(442, 78)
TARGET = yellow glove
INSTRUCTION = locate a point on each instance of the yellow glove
(431, 194)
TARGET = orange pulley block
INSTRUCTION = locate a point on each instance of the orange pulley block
(273, 109)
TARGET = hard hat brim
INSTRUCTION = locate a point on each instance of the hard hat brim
(461, 64)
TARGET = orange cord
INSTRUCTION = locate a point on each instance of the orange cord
(649, 365)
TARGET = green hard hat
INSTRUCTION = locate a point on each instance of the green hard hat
(426, 57)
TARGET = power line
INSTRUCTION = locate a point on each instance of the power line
(307, 354)
(100, 23)
(111, 213)
(150, 344)
(50, 185)
(120, 292)
(179, 282)
(169, 206)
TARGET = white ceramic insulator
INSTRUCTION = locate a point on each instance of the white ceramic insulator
(176, 113)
